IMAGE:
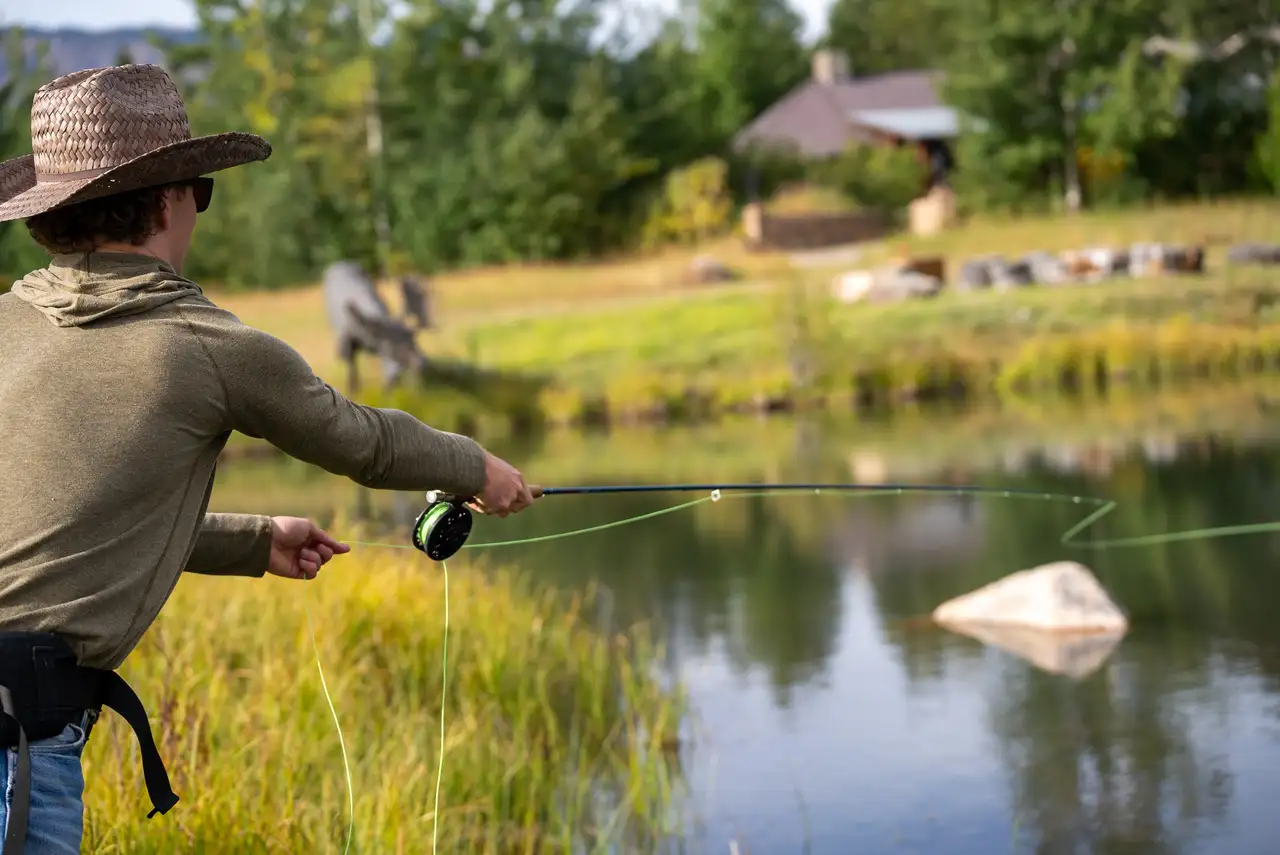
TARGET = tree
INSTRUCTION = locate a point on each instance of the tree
(891, 35)
(749, 54)
(18, 252)
(1268, 145)
(1050, 77)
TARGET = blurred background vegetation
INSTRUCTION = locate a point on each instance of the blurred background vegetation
(519, 131)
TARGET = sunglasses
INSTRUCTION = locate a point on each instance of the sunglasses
(202, 189)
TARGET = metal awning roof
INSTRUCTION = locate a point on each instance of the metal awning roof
(911, 122)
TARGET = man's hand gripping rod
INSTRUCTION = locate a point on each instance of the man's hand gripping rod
(443, 528)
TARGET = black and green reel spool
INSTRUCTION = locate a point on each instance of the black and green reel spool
(443, 528)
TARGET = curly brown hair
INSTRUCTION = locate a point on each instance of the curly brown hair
(129, 217)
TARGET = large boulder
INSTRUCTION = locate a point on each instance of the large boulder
(896, 285)
(974, 275)
(1046, 268)
(1095, 264)
(1060, 597)
(1185, 259)
(929, 265)
(1252, 253)
(705, 270)
(1008, 275)
(853, 286)
(884, 285)
(1155, 259)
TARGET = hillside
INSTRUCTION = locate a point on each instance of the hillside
(73, 49)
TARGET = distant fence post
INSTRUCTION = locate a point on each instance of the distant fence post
(753, 223)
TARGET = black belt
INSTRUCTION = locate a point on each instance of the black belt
(42, 690)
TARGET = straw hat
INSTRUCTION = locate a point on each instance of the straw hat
(108, 130)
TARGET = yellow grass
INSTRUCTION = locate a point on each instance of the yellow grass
(462, 300)
(541, 715)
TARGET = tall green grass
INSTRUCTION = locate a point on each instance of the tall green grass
(546, 720)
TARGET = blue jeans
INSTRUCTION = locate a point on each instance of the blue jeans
(55, 823)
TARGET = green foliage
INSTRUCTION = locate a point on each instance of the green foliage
(1268, 145)
(760, 172)
(749, 55)
(18, 252)
(695, 204)
(1050, 80)
(509, 132)
(882, 36)
(496, 132)
(875, 176)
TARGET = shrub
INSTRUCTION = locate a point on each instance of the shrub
(1267, 155)
(878, 177)
(695, 204)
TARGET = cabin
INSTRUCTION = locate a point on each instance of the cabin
(832, 109)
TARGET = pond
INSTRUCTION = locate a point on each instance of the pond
(831, 716)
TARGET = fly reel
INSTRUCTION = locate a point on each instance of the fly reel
(443, 528)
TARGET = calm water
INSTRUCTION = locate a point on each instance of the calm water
(830, 719)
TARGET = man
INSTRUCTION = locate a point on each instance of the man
(119, 386)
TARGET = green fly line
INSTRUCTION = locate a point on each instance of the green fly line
(444, 673)
(1103, 507)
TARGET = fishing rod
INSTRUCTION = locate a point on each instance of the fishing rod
(444, 526)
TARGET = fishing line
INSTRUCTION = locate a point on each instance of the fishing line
(442, 529)
(444, 682)
(351, 805)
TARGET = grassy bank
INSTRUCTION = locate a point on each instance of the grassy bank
(541, 716)
(735, 350)
(630, 351)
(678, 360)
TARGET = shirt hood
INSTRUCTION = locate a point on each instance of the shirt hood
(80, 288)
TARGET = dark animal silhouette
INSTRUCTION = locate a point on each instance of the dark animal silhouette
(361, 322)
(413, 297)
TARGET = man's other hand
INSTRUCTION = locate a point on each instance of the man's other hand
(299, 548)
(504, 489)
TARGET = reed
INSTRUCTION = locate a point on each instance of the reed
(556, 736)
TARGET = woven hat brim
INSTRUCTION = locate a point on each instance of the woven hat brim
(21, 196)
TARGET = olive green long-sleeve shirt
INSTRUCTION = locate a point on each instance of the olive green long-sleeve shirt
(120, 383)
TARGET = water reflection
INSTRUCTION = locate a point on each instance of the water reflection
(1114, 764)
(830, 713)
(1074, 655)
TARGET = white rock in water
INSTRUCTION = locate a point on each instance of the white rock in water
(1061, 597)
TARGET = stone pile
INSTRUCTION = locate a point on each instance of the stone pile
(907, 277)
(1083, 266)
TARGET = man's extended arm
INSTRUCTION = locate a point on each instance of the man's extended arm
(232, 545)
(272, 394)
